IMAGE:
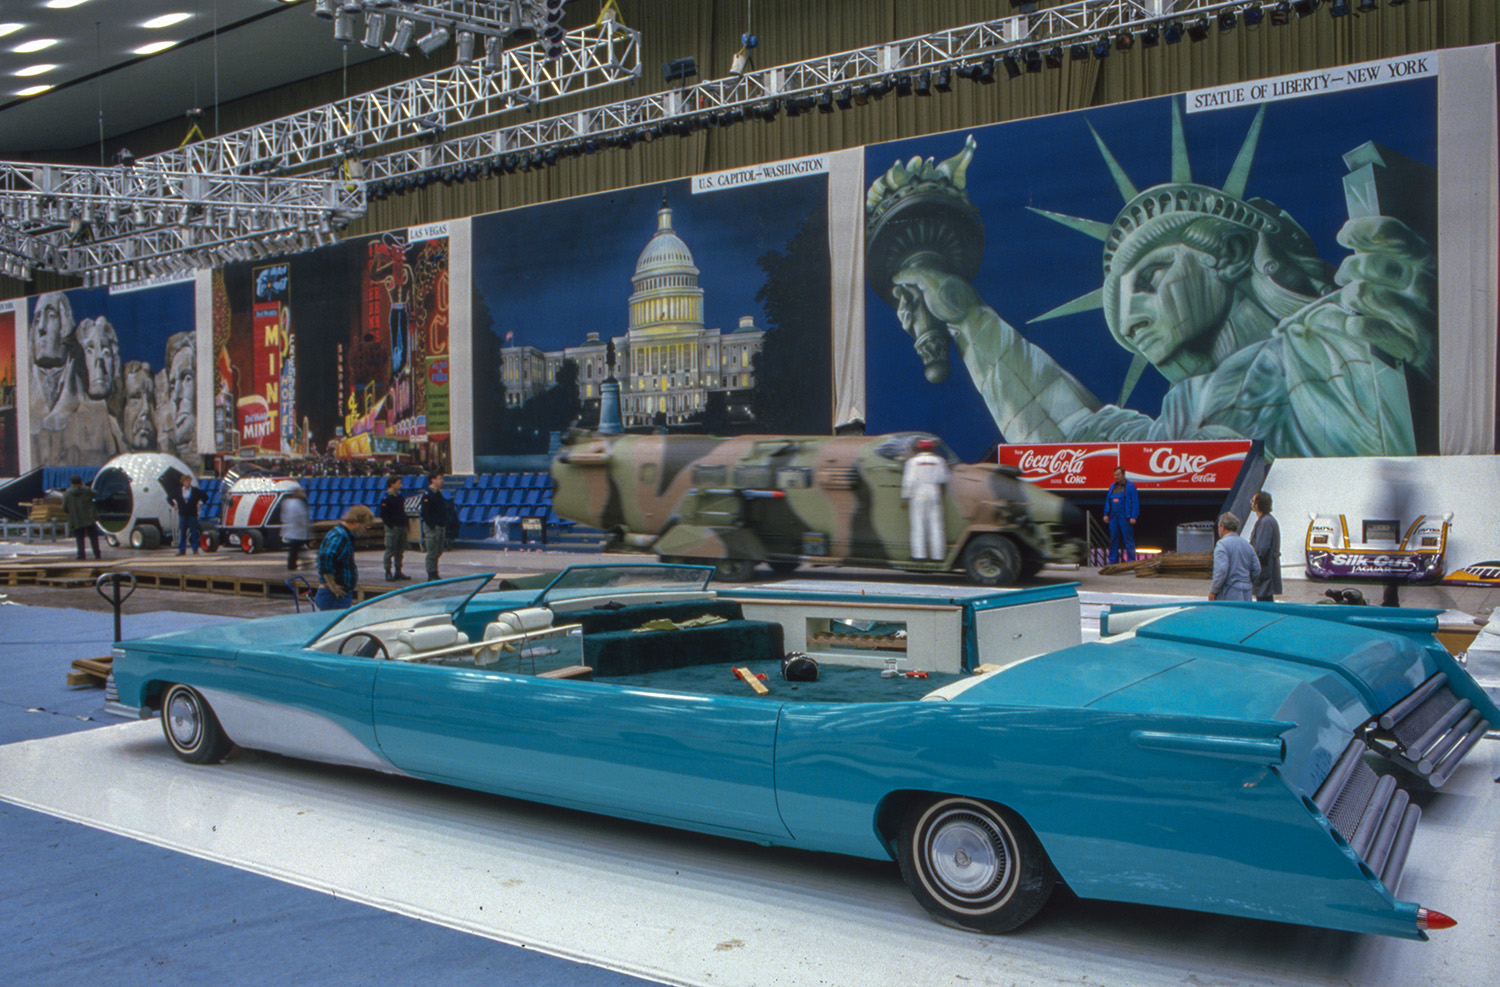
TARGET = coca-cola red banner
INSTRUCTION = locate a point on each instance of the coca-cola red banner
(1205, 466)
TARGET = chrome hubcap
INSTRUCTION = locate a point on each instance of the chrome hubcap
(183, 719)
(967, 856)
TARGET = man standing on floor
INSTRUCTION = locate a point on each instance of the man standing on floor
(1122, 505)
(1265, 538)
(393, 516)
(295, 528)
(337, 575)
(187, 499)
(1235, 566)
(83, 514)
(434, 522)
(923, 481)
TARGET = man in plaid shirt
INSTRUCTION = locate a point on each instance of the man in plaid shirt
(337, 574)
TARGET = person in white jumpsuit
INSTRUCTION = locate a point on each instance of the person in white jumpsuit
(922, 483)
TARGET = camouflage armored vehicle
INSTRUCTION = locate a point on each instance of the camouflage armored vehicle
(786, 500)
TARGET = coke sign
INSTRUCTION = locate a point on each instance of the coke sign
(1184, 465)
(1076, 466)
(1203, 466)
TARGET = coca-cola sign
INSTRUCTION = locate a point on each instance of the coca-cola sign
(1184, 465)
(1078, 466)
(1207, 466)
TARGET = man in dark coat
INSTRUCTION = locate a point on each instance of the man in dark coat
(83, 515)
(1265, 538)
(393, 516)
(434, 522)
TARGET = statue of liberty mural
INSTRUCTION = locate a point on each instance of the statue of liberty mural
(1226, 296)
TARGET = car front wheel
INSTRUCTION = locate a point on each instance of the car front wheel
(973, 864)
(191, 727)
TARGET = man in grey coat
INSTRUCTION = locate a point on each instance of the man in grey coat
(1235, 566)
(1265, 538)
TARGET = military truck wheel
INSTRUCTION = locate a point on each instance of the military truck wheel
(992, 560)
(733, 570)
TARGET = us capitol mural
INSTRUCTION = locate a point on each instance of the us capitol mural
(667, 362)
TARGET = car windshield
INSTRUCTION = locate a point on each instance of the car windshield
(421, 600)
(622, 580)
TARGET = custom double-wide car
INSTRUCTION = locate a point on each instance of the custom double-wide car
(1248, 759)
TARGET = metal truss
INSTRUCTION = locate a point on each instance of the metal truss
(212, 200)
(493, 18)
(801, 85)
(419, 109)
(109, 222)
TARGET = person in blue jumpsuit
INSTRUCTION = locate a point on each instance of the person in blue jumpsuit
(1122, 505)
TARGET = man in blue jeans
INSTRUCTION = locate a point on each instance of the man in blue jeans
(186, 500)
(1122, 505)
(337, 575)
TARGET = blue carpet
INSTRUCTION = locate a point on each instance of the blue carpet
(84, 907)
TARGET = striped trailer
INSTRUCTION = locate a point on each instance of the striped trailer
(251, 518)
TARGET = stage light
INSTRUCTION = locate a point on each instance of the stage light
(1228, 19)
(1012, 66)
(903, 84)
(1079, 52)
(465, 48)
(1365, 6)
(324, 9)
(1198, 29)
(1172, 33)
(374, 30)
(405, 28)
(984, 72)
(924, 83)
(1124, 41)
(1053, 57)
(1150, 36)
(1304, 8)
(1281, 13)
(1101, 47)
(845, 98)
(494, 53)
(943, 81)
(679, 69)
(1033, 59)
(432, 41)
(1339, 8)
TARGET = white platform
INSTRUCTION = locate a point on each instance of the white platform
(685, 909)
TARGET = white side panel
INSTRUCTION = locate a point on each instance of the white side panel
(461, 344)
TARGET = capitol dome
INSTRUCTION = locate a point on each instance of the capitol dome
(667, 297)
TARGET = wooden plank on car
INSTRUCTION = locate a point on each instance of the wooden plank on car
(755, 683)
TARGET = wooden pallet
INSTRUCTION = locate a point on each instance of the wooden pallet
(90, 671)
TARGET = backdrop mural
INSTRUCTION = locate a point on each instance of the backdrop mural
(710, 309)
(112, 371)
(10, 464)
(1141, 272)
(339, 353)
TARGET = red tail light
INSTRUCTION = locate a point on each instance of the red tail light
(1429, 919)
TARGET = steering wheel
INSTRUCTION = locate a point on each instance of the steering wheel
(371, 647)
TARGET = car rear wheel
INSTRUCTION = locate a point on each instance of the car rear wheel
(992, 560)
(973, 864)
(145, 536)
(251, 542)
(191, 727)
(208, 541)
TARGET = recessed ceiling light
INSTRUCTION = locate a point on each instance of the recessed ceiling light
(32, 90)
(154, 47)
(30, 46)
(65, 4)
(10, 27)
(36, 69)
(166, 20)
